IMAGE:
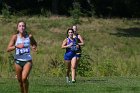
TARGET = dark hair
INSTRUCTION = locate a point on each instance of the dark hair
(70, 29)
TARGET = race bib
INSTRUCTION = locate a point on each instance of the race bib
(23, 51)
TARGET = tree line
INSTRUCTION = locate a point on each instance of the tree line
(98, 8)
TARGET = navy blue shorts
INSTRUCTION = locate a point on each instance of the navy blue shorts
(78, 55)
(70, 55)
(21, 63)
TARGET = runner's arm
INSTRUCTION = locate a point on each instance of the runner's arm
(11, 45)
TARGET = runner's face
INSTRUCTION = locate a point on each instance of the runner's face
(21, 27)
(74, 28)
(70, 33)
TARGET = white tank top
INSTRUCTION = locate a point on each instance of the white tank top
(23, 54)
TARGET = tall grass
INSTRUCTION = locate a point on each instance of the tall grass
(111, 46)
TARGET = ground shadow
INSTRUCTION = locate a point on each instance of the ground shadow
(129, 32)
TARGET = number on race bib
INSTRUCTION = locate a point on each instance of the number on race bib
(24, 50)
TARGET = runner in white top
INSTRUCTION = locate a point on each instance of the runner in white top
(20, 42)
(23, 54)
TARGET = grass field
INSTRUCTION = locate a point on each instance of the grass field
(111, 51)
(111, 46)
(83, 85)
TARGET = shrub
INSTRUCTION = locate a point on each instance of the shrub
(76, 13)
(5, 11)
(84, 65)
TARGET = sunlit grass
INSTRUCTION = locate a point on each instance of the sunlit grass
(111, 44)
(83, 85)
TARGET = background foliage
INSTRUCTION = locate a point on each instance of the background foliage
(111, 46)
(98, 8)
